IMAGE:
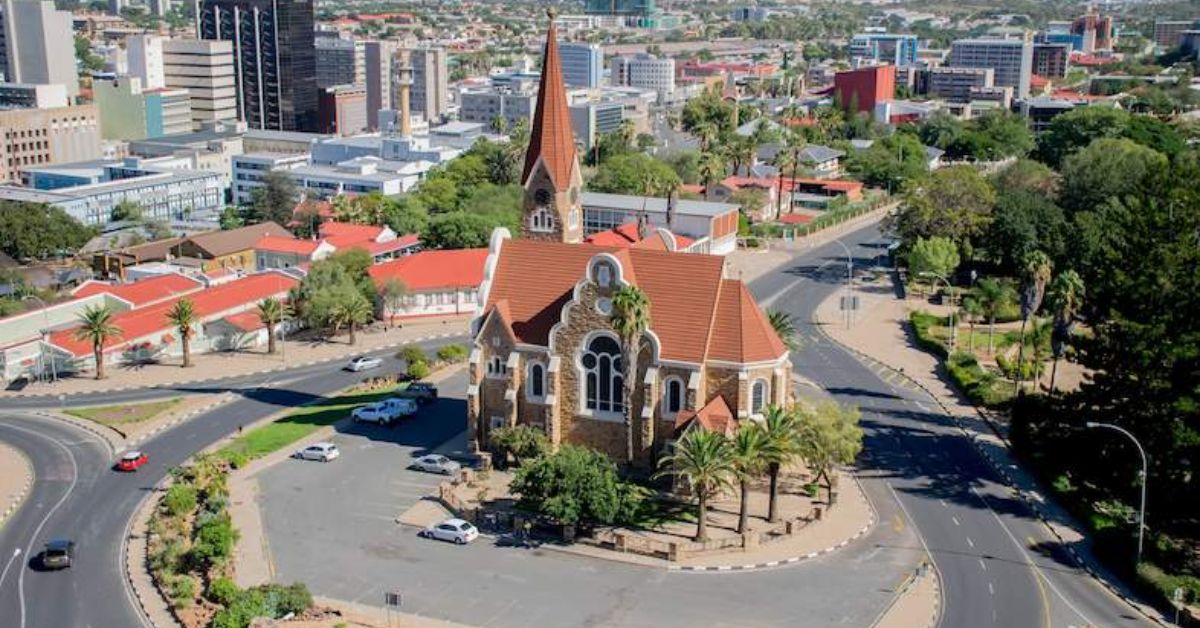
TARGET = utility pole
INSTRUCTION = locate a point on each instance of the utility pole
(1145, 478)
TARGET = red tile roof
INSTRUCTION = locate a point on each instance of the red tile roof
(795, 219)
(626, 235)
(433, 270)
(551, 138)
(715, 416)
(143, 322)
(144, 292)
(355, 233)
(277, 244)
(247, 321)
(690, 303)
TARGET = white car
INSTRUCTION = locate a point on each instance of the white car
(435, 463)
(385, 412)
(364, 363)
(456, 530)
(323, 452)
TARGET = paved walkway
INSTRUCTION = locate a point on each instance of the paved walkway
(16, 476)
(209, 366)
(916, 606)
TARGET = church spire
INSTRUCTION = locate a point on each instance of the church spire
(550, 137)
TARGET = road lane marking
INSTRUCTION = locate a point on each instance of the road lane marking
(3, 574)
(991, 589)
(970, 542)
(982, 565)
(955, 520)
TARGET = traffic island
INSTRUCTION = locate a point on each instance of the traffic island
(16, 477)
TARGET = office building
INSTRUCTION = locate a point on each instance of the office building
(205, 69)
(896, 49)
(862, 90)
(273, 49)
(250, 168)
(37, 44)
(1011, 60)
(129, 112)
(1051, 60)
(145, 57)
(643, 70)
(26, 96)
(485, 105)
(39, 137)
(1095, 32)
(343, 110)
(340, 61)
(430, 82)
(1166, 32)
(582, 64)
(377, 60)
(591, 120)
(955, 84)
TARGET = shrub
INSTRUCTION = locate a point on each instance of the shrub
(922, 323)
(182, 590)
(223, 591)
(417, 370)
(179, 500)
(214, 542)
(577, 485)
(236, 458)
(1166, 584)
(412, 354)
(523, 442)
(1009, 367)
(452, 353)
(980, 386)
(167, 558)
(270, 600)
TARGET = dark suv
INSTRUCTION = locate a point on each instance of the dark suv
(423, 392)
(59, 554)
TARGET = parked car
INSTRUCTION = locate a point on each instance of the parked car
(385, 412)
(323, 452)
(131, 460)
(58, 554)
(436, 463)
(423, 392)
(364, 363)
(455, 530)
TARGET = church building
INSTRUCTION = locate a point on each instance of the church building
(545, 350)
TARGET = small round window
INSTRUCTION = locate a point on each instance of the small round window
(604, 306)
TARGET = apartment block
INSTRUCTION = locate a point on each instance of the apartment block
(205, 69)
(582, 64)
(643, 70)
(129, 112)
(343, 110)
(144, 54)
(378, 79)
(487, 104)
(896, 49)
(1167, 32)
(430, 92)
(40, 137)
(1010, 59)
(36, 44)
(955, 84)
(1051, 60)
(340, 61)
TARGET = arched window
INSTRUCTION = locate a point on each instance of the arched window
(673, 396)
(535, 381)
(758, 396)
(541, 220)
(496, 366)
(604, 386)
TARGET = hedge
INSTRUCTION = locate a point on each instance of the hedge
(923, 323)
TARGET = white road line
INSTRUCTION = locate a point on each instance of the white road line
(955, 520)
(943, 503)
(982, 565)
(970, 542)
(991, 589)
(3, 574)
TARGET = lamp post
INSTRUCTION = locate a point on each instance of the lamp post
(949, 288)
(849, 280)
(1145, 477)
(45, 336)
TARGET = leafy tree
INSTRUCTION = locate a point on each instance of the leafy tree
(995, 136)
(635, 173)
(933, 256)
(1066, 294)
(183, 316)
(274, 200)
(356, 261)
(829, 436)
(750, 200)
(576, 485)
(1035, 276)
(271, 312)
(392, 293)
(39, 231)
(630, 319)
(995, 296)
(439, 194)
(1026, 175)
(231, 218)
(954, 203)
(320, 293)
(405, 214)
(780, 448)
(746, 449)
(785, 327)
(523, 442)
(88, 60)
(127, 210)
(712, 169)
(703, 459)
(1076, 129)
(1022, 222)
(463, 230)
(942, 130)
(889, 162)
(1107, 169)
(686, 164)
(351, 313)
(97, 327)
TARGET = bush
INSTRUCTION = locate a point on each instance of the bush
(270, 600)
(411, 354)
(214, 542)
(167, 558)
(523, 442)
(182, 590)
(223, 591)
(236, 459)
(1009, 367)
(922, 323)
(452, 353)
(417, 370)
(1166, 583)
(179, 500)
(577, 485)
(981, 386)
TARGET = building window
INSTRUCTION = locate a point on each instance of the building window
(604, 386)
(603, 275)
(535, 382)
(541, 220)
(758, 396)
(496, 367)
(573, 217)
(673, 396)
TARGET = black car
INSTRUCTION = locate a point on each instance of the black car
(59, 554)
(423, 392)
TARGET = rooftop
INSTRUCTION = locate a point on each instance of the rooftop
(653, 204)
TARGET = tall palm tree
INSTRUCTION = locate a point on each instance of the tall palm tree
(271, 312)
(630, 319)
(1036, 274)
(97, 327)
(795, 143)
(707, 133)
(783, 163)
(781, 446)
(712, 169)
(994, 296)
(703, 459)
(784, 327)
(1066, 294)
(746, 448)
(972, 309)
(183, 316)
(352, 313)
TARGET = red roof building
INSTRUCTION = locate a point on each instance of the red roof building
(140, 293)
(627, 236)
(436, 283)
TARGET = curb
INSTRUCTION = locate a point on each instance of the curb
(221, 400)
(906, 586)
(103, 432)
(19, 498)
(266, 371)
(1003, 473)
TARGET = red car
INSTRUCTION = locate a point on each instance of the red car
(131, 461)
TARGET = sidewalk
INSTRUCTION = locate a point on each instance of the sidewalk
(210, 366)
(916, 606)
(16, 476)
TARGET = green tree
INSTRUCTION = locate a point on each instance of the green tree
(439, 194)
(634, 173)
(1065, 298)
(88, 61)
(392, 293)
(97, 328)
(351, 313)
(936, 256)
(576, 485)
(890, 162)
(231, 218)
(1024, 221)
(687, 165)
(127, 210)
(522, 442)
(1078, 128)
(405, 215)
(944, 131)
(273, 200)
(1036, 274)
(785, 328)
(746, 448)
(1107, 169)
(996, 135)
(781, 447)
(39, 231)
(703, 459)
(630, 319)
(183, 316)
(954, 203)
(462, 230)
(712, 169)
(972, 311)
(750, 200)
(995, 296)
(829, 436)
(271, 312)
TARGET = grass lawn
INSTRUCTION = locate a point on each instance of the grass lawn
(124, 414)
(261, 441)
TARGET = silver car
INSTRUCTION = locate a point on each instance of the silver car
(322, 452)
(436, 463)
(364, 363)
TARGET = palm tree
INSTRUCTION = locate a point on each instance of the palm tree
(352, 313)
(972, 310)
(994, 296)
(630, 319)
(271, 312)
(784, 327)
(97, 328)
(783, 163)
(1037, 268)
(781, 446)
(1066, 297)
(704, 460)
(746, 449)
(707, 133)
(183, 316)
(712, 168)
(795, 143)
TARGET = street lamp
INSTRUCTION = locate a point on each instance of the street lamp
(1145, 469)
(45, 336)
(849, 280)
(949, 289)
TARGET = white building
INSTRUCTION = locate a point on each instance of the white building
(582, 64)
(205, 69)
(249, 169)
(37, 44)
(145, 56)
(644, 70)
(1011, 59)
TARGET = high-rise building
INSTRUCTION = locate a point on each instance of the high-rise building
(644, 70)
(430, 82)
(955, 84)
(340, 61)
(36, 44)
(486, 105)
(129, 112)
(145, 55)
(343, 110)
(377, 57)
(274, 54)
(29, 96)
(582, 64)
(1011, 59)
(1166, 32)
(40, 137)
(1051, 60)
(861, 90)
(1096, 32)
(205, 69)
(896, 49)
